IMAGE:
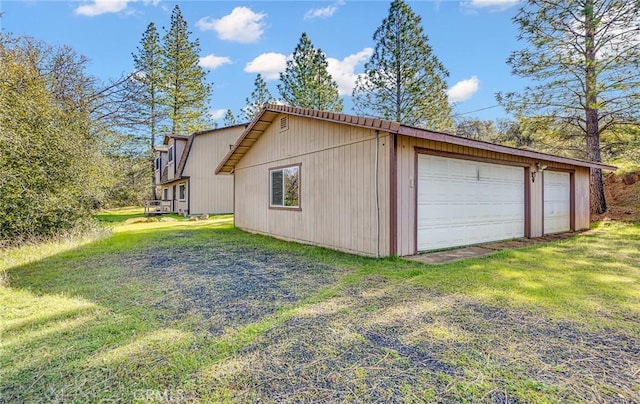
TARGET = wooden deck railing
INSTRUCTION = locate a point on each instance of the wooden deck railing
(157, 207)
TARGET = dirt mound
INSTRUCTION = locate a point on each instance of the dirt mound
(623, 197)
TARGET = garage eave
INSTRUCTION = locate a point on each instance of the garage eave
(269, 112)
(477, 144)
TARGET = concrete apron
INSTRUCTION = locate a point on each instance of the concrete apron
(457, 254)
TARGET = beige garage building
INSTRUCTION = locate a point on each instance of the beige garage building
(379, 188)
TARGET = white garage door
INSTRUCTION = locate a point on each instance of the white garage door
(557, 202)
(462, 202)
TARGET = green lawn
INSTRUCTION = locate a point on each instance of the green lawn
(198, 311)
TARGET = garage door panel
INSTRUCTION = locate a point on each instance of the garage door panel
(464, 202)
(557, 202)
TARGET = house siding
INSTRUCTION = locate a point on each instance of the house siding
(210, 193)
(178, 145)
(582, 201)
(338, 207)
(406, 197)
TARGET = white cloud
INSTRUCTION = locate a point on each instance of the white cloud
(242, 25)
(217, 113)
(497, 5)
(342, 71)
(464, 89)
(212, 61)
(323, 12)
(97, 7)
(270, 65)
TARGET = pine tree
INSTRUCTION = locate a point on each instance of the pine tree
(229, 119)
(184, 81)
(584, 59)
(404, 81)
(148, 74)
(306, 83)
(259, 96)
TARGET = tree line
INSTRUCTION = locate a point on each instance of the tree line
(70, 143)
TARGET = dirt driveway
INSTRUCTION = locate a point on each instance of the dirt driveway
(224, 284)
(372, 340)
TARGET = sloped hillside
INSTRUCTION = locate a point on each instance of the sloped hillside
(623, 197)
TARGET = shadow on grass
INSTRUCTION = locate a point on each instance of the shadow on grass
(202, 311)
(163, 300)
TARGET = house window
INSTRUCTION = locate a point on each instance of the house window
(165, 194)
(170, 154)
(285, 187)
(158, 163)
(182, 190)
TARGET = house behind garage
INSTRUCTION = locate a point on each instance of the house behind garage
(185, 172)
(380, 188)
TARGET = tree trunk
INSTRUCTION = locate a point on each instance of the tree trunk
(154, 194)
(596, 185)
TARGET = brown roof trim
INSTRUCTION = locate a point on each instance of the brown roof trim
(270, 111)
(477, 144)
(172, 136)
(202, 132)
(160, 149)
(183, 158)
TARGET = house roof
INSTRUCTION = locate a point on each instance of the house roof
(187, 150)
(269, 112)
(160, 148)
(172, 136)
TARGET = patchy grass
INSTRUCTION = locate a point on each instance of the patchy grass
(199, 311)
(121, 215)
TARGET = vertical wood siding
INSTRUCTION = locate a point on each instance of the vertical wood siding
(337, 186)
(210, 193)
(582, 202)
(178, 148)
(406, 206)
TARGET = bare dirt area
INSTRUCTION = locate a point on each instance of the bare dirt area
(622, 193)
(218, 284)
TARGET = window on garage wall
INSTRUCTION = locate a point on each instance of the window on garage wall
(285, 187)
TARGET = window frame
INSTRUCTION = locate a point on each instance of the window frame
(165, 194)
(182, 191)
(297, 166)
(170, 156)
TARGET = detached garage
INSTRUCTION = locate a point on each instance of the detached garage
(557, 202)
(379, 188)
(462, 202)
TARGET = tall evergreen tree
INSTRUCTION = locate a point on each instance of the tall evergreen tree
(584, 59)
(148, 74)
(229, 119)
(403, 80)
(183, 79)
(306, 82)
(259, 96)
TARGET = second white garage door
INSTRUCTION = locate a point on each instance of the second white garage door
(557, 202)
(462, 202)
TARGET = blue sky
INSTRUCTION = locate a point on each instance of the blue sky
(241, 38)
